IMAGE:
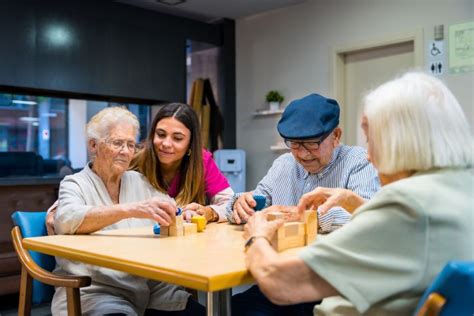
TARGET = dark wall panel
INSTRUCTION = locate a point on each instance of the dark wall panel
(17, 44)
(97, 47)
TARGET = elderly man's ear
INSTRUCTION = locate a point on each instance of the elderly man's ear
(337, 136)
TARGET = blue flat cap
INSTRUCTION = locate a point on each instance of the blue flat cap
(309, 117)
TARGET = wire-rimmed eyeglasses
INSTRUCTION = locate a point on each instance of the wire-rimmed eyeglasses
(118, 144)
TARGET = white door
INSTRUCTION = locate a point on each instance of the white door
(360, 69)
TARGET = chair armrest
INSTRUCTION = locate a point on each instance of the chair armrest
(41, 274)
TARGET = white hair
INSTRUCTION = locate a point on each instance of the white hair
(416, 123)
(100, 124)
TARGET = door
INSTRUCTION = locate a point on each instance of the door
(360, 69)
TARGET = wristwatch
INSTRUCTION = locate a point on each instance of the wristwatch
(251, 240)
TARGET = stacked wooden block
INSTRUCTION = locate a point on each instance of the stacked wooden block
(294, 234)
(180, 228)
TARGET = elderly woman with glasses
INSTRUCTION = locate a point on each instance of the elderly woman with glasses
(381, 262)
(103, 196)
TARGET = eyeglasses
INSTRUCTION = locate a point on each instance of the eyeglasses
(308, 145)
(118, 144)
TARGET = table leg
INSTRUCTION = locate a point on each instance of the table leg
(224, 302)
(218, 303)
(210, 304)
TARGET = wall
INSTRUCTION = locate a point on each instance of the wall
(103, 48)
(290, 50)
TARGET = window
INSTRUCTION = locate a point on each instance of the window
(43, 135)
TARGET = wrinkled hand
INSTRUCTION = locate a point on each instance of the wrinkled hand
(291, 212)
(193, 207)
(187, 215)
(206, 211)
(323, 199)
(157, 209)
(243, 207)
(258, 225)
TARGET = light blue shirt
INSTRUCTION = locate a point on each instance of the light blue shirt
(287, 181)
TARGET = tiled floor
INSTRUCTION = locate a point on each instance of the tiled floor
(9, 307)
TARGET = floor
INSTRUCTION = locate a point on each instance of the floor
(9, 307)
(9, 303)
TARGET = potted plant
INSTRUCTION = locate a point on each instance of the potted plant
(274, 98)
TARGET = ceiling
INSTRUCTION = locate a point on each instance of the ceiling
(213, 10)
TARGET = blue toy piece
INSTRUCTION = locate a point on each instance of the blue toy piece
(179, 211)
(260, 199)
(156, 229)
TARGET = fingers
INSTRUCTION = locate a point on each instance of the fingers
(274, 225)
(242, 212)
(187, 215)
(161, 211)
(311, 200)
(250, 202)
(50, 224)
(326, 206)
(193, 206)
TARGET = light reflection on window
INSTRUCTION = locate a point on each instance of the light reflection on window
(48, 134)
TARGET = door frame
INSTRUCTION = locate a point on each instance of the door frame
(338, 55)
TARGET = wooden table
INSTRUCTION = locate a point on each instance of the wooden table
(211, 261)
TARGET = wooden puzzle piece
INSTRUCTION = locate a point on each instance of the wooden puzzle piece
(190, 228)
(294, 234)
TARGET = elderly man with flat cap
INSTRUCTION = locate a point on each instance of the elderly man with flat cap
(310, 128)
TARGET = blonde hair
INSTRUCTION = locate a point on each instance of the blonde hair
(101, 123)
(416, 123)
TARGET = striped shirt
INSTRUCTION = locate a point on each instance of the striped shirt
(287, 181)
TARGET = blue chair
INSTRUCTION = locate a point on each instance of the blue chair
(451, 293)
(37, 281)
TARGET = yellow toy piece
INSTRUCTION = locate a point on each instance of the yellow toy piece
(200, 221)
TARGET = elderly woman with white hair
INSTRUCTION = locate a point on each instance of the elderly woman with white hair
(104, 195)
(387, 255)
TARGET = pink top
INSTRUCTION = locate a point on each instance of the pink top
(214, 180)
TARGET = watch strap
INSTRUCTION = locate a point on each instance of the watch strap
(252, 239)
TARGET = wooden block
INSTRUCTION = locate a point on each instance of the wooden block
(309, 238)
(200, 221)
(311, 220)
(189, 228)
(178, 220)
(275, 215)
(288, 242)
(294, 229)
(290, 235)
(164, 231)
(175, 231)
(311, 226)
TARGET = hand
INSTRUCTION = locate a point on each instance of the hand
(206, 211)
(323, 199)
(290, 212)
(243, 207)
(209, 213)
(258, 225)
(157, 209)
(187, 215)
(50, 219)
(193, 207)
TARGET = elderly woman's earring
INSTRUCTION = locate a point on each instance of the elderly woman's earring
(188, 152)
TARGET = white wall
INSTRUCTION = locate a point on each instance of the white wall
(289, 50)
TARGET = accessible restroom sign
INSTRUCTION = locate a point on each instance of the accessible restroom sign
(435, 57)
